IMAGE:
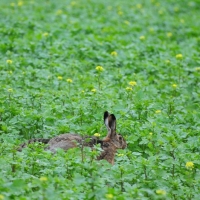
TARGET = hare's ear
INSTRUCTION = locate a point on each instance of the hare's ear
(110, 121)
(106, 116)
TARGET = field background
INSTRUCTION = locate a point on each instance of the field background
(49, 84)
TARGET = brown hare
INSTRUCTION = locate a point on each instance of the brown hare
(109, 144)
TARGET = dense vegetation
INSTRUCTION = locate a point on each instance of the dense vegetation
(63, 63)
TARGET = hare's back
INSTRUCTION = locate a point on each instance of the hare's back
(64, 141)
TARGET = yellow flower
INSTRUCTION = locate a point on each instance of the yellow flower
(97, 135)
(151, 30)
(174, 85)
(73, 3)
(161, 192)
(93, 90)
(60, 77)
(10, 90)
(45, 34)
(160, 12)
(120, 12)
(158, 111)
(169, 34)
(167, 61)
(20, 3)
(114, 53)
(43, 179)
(139, 6)
(69, 80)
(9, 61)
(99, 68)
(1, 197)
(197, 68)
(142, 37)
(151, 133)
(120, 154)
(129, 88)
(132, 83)
(189, 165)
(109, 196)
(176, 9)
(179, 56)
(59, 12)
(126, 22)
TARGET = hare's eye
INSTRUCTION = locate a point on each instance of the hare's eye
(120, 137)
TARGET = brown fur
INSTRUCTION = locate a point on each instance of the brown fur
(109, 144)
(71, 140)
(108, 152)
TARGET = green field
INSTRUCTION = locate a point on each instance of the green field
(63, 63)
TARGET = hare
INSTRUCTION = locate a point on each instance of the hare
(109, 144)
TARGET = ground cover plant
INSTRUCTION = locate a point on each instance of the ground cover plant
(63, 63)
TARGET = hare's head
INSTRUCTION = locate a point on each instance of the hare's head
(112, 136)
